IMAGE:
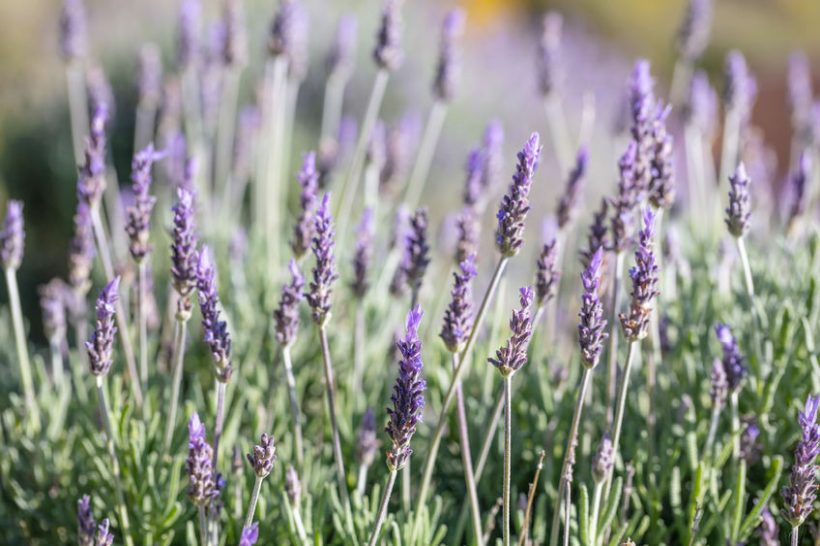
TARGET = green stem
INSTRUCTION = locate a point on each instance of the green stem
(176, 381)
(361, 480)
(359, 348)
(524, 540)
(596, 509)
(747, 270)
(421, 168)
(56, 362)
(388, 490)
(507, 454)
(619, 415)
(300, 526)
(220, 418)
(257, 484)
(612, 368)
(142, 319)
(332, 105)
(733, 398)
(203, 526)
(22, 347)
(115, 463)
(330, 388)
(794, 534)
(467, 459)
(294, 406)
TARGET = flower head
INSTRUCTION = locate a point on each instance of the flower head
(801, 492)
(12, 236)
(800, 91)
(363, 254)
(458, 317)
(81, 251)
(447, 70)
(473, 187)
(201, 477)
(286, 315)
(596, 233)
(416, 256)
(100, 346)
(644, 277)
(623, 205)
(720, 384)
(91, 183)
(739, 210)
(767, 531)
(550, 68)
(661, 166)
(235, 40)
(53, 305)
(546, 273)
(85, 522)
(408, 394)
(214, 329)
(104, 536)
(693, 34)
(568, 204)
(799, 185)
(138, 226)
(366, 441)
(308, 178)
(293, 487)
(263, 456)
(467, 227)
(701, 106)
(603, 460)
(591, 334)
(342, 54)
(249, 535)
(734, 365)
(509, 236)
(73, 37)
(741, 88)
(513, 355)
(492, 149)
(183, 248)
(324, 272)
(187, 42)
(388, 53)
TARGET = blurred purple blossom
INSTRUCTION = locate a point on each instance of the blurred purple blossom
(449, 62)
(286, 315)
(201, 478)
(568, 204)
(550, 67)
(308, 179)
(12, 236)
(388, 53)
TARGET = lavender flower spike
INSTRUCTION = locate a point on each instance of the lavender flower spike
(100, 346)
(767, 530)
(363, 254)
(447, 71)
(739, 210)
(492, 149)
(13, 236)
(215, 330)
(550, 70)
(308, 178)
(187, 41)
(183, 248)
(467, 226)
(417, 250)
(263, 456)
(85, 522)
(458, 317)
(799, 184)
(343, 53)
(720, 384)
(801, 492)
(603, 460)
(693, 34)
(52, 303)
(741, 88)
(366, 442)
(286, 315)
(388, 53)
(408, 394)
(546, 274)
(596, 234)
(568, 204)
(104, 536)
(324, 272)
(249, 535)
(201, 477)
(138, 225)
(644, 283)
(473, 186)
(512, 356)
(591, 335)
(515, 205)
(661, 165)
(150, 75)
(73, 38)
(734, 365)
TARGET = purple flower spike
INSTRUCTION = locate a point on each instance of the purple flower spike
(293, 487)
(190, 13)
(799, 185)
(473, 187)
(91, 183)
(568, 204)
(492, 149)
(286, 316)
(263, 456)
(550, 69)
(81, 251)
(201, 478)
(324, 272)
(801, 492)
(800, 89)
(52, 303)
(138, 226)
(720, 384)
(308, 178)
(342, 55)
(546, 274)
(623, 205)
(458, 317)
(104, 535)
(644, 277)
(249, 535)
(468, 227)
(661, 166)
(183, 248)
(235, 43)
(100, 346)
(604, 460)
(416, 250)
(86, 526)
(388, 53)
(701, 107)
(591, 334)
(767, 531)
(734, 365)
(515, 205)
(363, 254)
(512, 356)
(741, 88)
(447, 71)
(214, 330)
(596, 235)
(693, 34)
(73, 38)
(408, 394)
(149, 76)
(740, 210)
(13, 236)
(366, 441)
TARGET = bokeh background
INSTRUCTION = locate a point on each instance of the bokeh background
(601, 38)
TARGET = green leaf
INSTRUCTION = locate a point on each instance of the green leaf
(753, 518)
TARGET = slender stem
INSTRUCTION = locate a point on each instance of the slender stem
(612, 368)
(793, 537)
(220, 418)
(507, 454)
(488, 439)
(332, 106)
(435, 441)
(359, 347)
(596, 509)
(115, 463)
(619, 415)
(349, 189)
(713, 424)
(142, 319)
(559, 132)
(176, 381)
(467, 460)
(747, 270)
(56, 361)
(733, 401)
(300, 526)
(406, 487)
(291, 97)
(22, 347)
(257, 484)
(729, 149)
(388, 490)
(361, 480)
(294, 405)
(203, 526)
(569, 456)
(272, 180)
(122, 320)
(693, 140)
(421, 168)
(330, 388)
(524, 540)
(567, 509)
(78, 108)
(225, 133)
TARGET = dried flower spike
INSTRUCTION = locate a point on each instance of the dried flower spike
(458, 317)
(408, 394)
(513, 355)
(324, 272)
(138, 226)
(515, 205)
(801, 492)
(214, 329)
(263, 456)
(644, 277)
(13, 236)
(739, 210)
(286, 315)
(546, 274)
(591, 335)
(100, 346)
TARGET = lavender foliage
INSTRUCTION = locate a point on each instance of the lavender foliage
(515, 205)
(513, 355)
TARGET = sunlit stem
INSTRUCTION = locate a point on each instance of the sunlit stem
(220, 418)
(176, 379)
(330, 389)
(612, 367)
(257, 484)
(142, 320)
(634, 346)
(388, 490)
(429, 141)
(467, 459)
(22, 347)
(296, 414)
(507, 455)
